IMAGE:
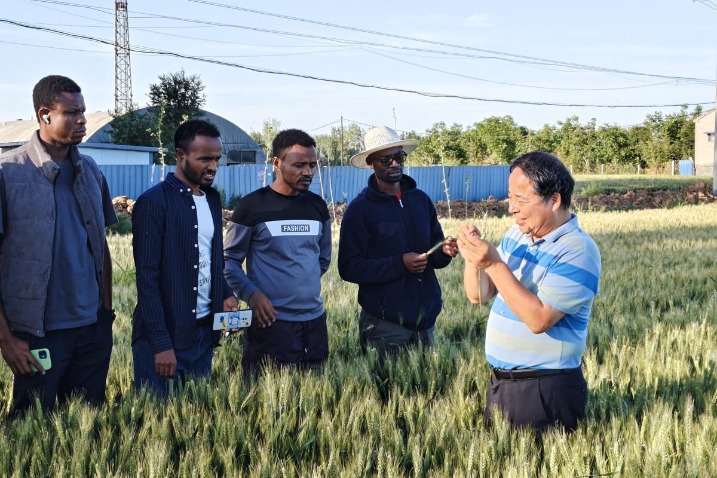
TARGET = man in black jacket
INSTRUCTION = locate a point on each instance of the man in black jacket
(388, 234)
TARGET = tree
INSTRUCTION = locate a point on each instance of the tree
(173, 100)
(441, 142)
(270, 128)
(545, 139)
(495, 140)
(329, 148)
(330, 144)
(614, 146)
(576, 143)
(134, 128)
(181, 95)
(672, 137)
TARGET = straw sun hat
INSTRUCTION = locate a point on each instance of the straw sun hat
(378, 139)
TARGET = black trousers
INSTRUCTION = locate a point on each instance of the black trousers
(80, 362)
(540, 402)
(301, 344)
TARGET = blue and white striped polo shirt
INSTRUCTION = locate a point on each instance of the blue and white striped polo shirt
(563, 269)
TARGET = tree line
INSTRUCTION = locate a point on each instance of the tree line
(586, 147)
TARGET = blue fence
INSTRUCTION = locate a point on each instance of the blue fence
(335, 184)
(687, 167)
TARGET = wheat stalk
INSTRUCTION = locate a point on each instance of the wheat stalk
(483, 234)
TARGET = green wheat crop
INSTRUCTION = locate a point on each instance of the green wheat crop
(650, 365)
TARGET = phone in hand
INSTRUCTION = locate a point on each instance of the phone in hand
(43, 357)
(239, 319)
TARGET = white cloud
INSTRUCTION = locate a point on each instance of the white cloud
(478, 20)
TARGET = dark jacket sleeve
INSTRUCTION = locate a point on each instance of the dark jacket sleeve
(148, 221)
(325, 247)
(108, 208)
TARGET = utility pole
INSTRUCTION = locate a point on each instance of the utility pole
(342, 140)
(123, 72)
(714, 142)
(394, 118)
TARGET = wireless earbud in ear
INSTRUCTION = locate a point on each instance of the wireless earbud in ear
(46, 119)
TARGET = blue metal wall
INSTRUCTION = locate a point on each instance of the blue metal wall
(335, 184)
(687, 167)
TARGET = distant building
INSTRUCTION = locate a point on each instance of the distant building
(704, 143)
(239, 147)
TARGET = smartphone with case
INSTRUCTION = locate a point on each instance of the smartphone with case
(43, 357)
(239, 319)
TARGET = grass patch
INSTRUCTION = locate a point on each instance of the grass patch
(621, 184)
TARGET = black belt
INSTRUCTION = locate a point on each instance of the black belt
(205, 321)
(528, 373)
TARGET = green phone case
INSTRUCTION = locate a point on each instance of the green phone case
(42, 356)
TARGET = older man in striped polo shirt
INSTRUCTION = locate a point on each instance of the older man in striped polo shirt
(544, 276)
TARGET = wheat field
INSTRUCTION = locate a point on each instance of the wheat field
(650, 366)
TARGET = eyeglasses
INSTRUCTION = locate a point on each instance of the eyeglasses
(386, 161)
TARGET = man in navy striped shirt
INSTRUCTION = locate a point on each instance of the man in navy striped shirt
(177, 242)
(544, 276)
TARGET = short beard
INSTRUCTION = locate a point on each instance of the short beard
(65, 144)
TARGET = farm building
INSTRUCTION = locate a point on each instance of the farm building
(704, 143)
(239, 147)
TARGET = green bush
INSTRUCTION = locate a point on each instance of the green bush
(592, 189)
(229, 203)
(123, 226)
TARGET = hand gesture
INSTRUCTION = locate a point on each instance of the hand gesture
(450, 246)
(475, 250)
(262, 310)
(415, 263)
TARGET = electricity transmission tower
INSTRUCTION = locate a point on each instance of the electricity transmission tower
(123, 71)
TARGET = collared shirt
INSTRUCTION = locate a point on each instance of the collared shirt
(166, 254)
(563, 270)
(73, 294)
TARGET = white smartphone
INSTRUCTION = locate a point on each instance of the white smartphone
(235, 320)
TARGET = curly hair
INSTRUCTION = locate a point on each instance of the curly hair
(187, 131)
(288, 138)
(48, 89)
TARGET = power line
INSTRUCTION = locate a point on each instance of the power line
(202, 24)
(34, 45)
(708, 4)
(418, 65)
(54, 47)
(495, 55)
(372, 125)
(439, 43)
(225, 42)
(324, 126)
(89, 7)
(330, 80)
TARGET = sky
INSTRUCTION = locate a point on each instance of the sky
(470, 59)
